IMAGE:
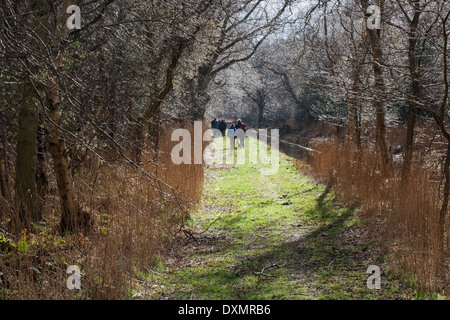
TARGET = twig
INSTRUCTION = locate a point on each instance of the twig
(212, 223)
(153, 271)
(190, 236)
(262, 274)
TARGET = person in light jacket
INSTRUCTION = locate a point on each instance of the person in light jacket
(232, 136)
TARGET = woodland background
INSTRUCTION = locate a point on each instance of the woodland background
(86, 117)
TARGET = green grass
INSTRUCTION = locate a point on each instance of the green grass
(288, 226)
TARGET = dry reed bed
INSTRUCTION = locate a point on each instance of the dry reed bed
(134, 216)
(404, 216)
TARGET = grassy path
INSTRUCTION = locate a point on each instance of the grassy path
(269, 237)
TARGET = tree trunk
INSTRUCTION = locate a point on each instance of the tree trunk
(26, 195)
(380, 91)
(4, 180)
(153, 113)
(353, 131)
(41, 174)
(202, 96)
(260, 114)
(70, 211)
(415, 92)
(406, 168)
(70, 216)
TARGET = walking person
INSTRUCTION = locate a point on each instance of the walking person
(215, 126)
(223, 127)
(241, 134)
(239, 124)
(232, 136)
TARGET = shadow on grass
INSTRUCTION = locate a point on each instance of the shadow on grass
(303, 261)
(320, 247)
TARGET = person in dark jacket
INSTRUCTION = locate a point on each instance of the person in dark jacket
(215, 125)
(223, 127)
